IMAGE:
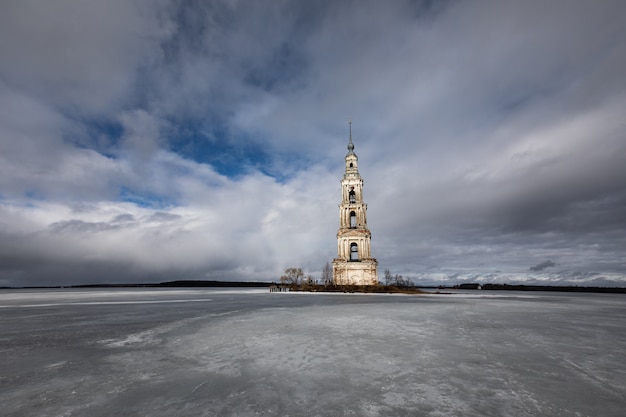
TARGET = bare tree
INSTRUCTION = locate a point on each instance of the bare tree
(388, 277)
(292, 276)
(397, 280)
(327, 274)
(400, 281)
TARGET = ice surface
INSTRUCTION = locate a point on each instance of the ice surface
(207, 352)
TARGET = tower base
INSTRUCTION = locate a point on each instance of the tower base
(363, 272)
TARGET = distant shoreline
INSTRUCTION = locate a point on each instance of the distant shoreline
(168, 284)
(338, 288)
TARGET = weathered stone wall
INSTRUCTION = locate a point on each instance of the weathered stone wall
(363, 272)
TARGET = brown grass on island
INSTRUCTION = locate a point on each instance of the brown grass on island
(363, 289)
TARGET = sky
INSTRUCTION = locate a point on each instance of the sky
(156, 140)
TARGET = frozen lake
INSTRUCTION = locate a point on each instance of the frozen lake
(207, 352)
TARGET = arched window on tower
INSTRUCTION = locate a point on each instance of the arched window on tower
(354, 252)
(352, 196)
(352, 220)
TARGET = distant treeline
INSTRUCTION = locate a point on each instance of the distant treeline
(326, 288)
(559, 288)
(169, 284)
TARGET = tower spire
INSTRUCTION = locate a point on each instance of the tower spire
(350, 144)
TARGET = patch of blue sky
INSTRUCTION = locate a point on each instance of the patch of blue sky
(30, 198)
(278, 176)
(286, 165)
(229, 154)
(145, 199)
(33, 195)
(100, 135)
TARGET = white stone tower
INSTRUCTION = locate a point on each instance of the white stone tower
(354, 264)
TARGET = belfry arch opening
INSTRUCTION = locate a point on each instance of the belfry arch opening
(352, 220)
(354, 252)
(352, 196)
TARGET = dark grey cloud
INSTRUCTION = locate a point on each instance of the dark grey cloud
(543, 265)
(83, 56)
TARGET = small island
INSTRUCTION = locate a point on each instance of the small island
(364, 289)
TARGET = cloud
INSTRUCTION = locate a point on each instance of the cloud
(84, 56)
(543, 265)
(248, 230)
(155, 140)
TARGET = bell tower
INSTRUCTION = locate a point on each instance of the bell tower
(353, 264)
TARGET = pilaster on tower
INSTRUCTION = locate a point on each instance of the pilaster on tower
(354, 264)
